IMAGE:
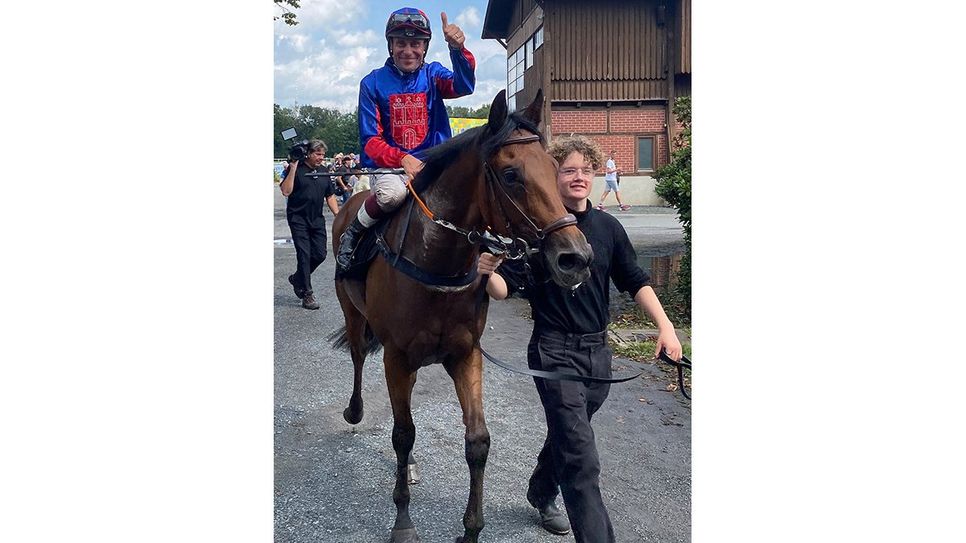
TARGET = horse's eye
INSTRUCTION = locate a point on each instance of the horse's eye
(510, 176)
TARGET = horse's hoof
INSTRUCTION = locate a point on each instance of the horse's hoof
(407, 535)
(412, 474)
(352, 416)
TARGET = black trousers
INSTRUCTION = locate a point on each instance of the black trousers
(310, 241)
(569, 457)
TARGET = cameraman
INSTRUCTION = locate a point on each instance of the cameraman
(304, 213)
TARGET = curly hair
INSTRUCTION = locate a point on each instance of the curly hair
(561, 147)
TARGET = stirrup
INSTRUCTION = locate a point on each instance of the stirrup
(348, 243)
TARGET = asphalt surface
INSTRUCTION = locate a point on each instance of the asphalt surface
(333, 481)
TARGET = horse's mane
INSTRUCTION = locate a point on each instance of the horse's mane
(443, 155)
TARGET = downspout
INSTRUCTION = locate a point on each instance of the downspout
(545, 111)
(547, 86)
(669, 22)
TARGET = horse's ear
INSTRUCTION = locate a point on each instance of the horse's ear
(497, 113)
(535, 109)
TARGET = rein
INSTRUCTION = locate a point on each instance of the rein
(560, 376)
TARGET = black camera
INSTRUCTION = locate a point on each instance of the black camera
(299, 150)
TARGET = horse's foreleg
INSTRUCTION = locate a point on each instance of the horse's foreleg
(400, 382)
(355, 326)
(468, 379)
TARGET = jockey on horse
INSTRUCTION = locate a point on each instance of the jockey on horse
(401, 114)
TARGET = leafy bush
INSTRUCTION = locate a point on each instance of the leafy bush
(674, 185)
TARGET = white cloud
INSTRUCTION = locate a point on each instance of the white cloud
(328, 14)
(349, 39)
(468, 19)
(296, 42)
(322, 60)
(328, 78)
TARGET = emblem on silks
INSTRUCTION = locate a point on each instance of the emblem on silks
(408, 118)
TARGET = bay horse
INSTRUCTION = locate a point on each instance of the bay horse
(493, 179)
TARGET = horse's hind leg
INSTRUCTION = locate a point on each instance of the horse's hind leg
(355, 328)
(400, 382)
(468, 380)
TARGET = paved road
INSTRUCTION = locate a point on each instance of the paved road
(333, 482)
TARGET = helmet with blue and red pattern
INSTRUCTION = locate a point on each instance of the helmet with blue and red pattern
(408, 23)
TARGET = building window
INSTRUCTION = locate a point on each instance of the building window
(538, 38)
(645, 154)
(529, 52)
(515, 66)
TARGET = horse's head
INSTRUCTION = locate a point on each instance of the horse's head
(523, 202)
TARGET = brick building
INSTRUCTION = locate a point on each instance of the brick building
(610, 70)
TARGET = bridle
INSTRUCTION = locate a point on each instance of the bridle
(513, 247)
(539, 233)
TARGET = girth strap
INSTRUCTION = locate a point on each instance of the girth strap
(407, 267)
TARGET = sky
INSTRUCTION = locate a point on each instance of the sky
(321, 60)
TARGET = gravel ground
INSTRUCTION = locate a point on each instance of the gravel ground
(333, 481)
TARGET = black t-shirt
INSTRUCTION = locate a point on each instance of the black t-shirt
(345, 179)
(309, 194)
(583, 310)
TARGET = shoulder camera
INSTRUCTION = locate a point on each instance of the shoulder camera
(299, 149)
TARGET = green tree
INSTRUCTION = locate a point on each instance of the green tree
(287, 15)
(340, 131)
(284, 119)
(481, 112)
(674, 185)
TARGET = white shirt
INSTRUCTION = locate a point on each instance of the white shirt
(611, 176)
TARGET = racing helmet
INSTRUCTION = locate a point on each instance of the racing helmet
(408, 23)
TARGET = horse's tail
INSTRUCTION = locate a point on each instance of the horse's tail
(340, 340)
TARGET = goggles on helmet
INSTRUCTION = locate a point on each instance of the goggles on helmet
(408, 23)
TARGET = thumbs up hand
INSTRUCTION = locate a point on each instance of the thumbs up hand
(452, 33)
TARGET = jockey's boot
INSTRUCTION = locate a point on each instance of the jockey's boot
(347, 244)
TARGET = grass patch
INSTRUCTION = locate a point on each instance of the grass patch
(627, 314)
(643, 351)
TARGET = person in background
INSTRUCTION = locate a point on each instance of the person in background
(348, 180)
(610, 177)
(570, 335)
(402, 115)
(303, 210)
(339, 185)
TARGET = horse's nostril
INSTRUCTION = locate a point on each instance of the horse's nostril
(570, 261)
